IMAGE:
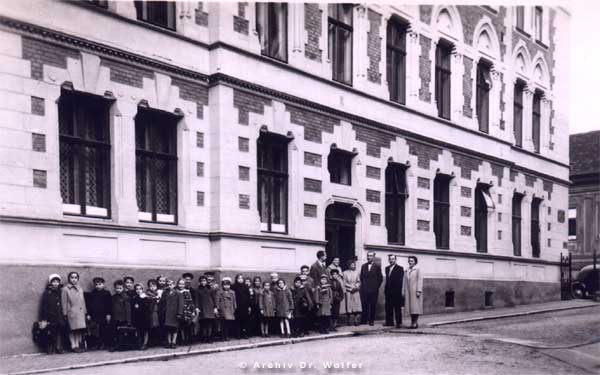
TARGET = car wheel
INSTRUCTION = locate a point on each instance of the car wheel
(578, 292)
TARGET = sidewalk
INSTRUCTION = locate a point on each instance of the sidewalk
(38, 363)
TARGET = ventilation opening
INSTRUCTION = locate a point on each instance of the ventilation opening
(489, 301)
(449, 298)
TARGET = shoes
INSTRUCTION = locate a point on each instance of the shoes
(399, 325)
(371, 323)
(59, 351)
(143, 347)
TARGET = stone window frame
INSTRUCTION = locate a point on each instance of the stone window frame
(264, 36)
(339, 165)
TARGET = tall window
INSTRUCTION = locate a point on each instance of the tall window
(484, 85)
(520, 17)
(535, 227)
(516, 223)
(271, 24)
(441, 211)
(339, 165)
(340, 42)
(536, 119)
(156, 165)
(272, 181)
(572, 223)
(539, 17)
(443, 74)
(395, 202)
(160, 13)
(84, 154)
(483, 204)
(518, 113)
(396, 60)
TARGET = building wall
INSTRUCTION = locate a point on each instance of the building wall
(211, 71)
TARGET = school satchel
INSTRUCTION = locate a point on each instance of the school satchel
(41, 332)
(126, 338)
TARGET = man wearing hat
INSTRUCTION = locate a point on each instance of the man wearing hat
(98, 304)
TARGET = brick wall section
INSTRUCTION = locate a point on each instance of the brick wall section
(374, 139)
(471, 15)
(199, 139)
(513, 175)
(200, 198)
(201, 15)
(246, 103)
(425, 13)
(373, 196)
(373, 172)
(192, 92)
(200, 169)
(498, 171)
(312, 159)
(425, 153)
(38, 142)
(310, 210)
(313, 23)
(41, 53)
(425, 68)
(423, 225)
(375, 219)
(38, 106)
(422, 204)
(423, 183)
(467, 164)
(314, 123)
(314, 186)
(468, 86)
(374, 47)
(40, 178)
(243, 144)
(465, 230)
(465, 191)
(244, 173)
(530, 180)
(240, 23)
(127, 74)
(465, 211)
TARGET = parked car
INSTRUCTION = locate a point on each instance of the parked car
(586, 282)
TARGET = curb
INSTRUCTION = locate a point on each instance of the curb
(510, 315)
(189, 353)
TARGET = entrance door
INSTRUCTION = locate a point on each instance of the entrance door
(340, 224)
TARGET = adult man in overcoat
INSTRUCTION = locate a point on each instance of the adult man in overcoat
(394, 276)
(370, 281)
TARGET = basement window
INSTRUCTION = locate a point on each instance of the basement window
(488, 299)
(449, 299)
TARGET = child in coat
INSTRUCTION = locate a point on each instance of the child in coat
(266, 304)
(152, 299)
(73, 305)
(99, 308)
(337, 290)
(139, 314)
(206, 306)
(121, 310)
(302, 306)
(170, 309)
(189, 312)
(227, 305)
(255, 291)
(52, 314)
(284, 306)
(324, 300)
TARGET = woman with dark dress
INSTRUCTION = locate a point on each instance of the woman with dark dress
(242, 312)
(139, 315)
(52, 314)
(255, 292)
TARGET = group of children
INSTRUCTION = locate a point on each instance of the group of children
(167, 312)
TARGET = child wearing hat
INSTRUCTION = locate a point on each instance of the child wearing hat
(227, 305)
(52, 314)
(324, 299)
(302, 306)
(206, 306)
(284, 306)
(99, 305)
(337, 290)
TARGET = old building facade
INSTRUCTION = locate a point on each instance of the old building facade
(146, 138)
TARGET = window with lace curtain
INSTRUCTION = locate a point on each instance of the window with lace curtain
(271, 25)
(84, 136)
(156, 165)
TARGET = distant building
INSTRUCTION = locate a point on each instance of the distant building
(584, 198)
(151, 137)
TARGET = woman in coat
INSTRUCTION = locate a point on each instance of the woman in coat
(73, 306)
(52, 313)
(412, 291)
(351, 305)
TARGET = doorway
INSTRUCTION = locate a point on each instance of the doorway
(340, 230)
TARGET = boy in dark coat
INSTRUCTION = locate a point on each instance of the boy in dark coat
(170, 310)
(227, 305)
(99, 308)
(51, 313)
(337, 290)
(206, 305)
(324, 300)
(121, 309)
(266, 304)
(302, 306)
